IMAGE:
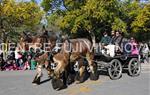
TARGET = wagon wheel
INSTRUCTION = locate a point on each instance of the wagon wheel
(134, 67)
(115, 69)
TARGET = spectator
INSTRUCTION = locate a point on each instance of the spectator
(33, 62)
(26, 60)
(145, 52)
(10, 62)
(2, 63)
(18, 57)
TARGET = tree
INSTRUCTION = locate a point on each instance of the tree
(19, 15)
(99, 16)
(90, 15)
(141, 24)
(142, 20)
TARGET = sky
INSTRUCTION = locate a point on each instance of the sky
(38, 1)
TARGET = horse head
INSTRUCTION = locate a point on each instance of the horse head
(26, 37)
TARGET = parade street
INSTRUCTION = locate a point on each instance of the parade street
(20, 83)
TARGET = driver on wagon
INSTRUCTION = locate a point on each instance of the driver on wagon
(108, 48)
(105, 39)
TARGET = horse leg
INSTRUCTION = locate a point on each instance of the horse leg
(60, 83)
(94, 73)
(64, 78)
(93, 69)
(82, 73)
(50, 71)
(70, 73)
(38, 75)
(59, 80)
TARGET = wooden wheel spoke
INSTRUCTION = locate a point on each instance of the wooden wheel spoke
(116, 63)
(132, 65)
(137, 66)
(112, 70)
(118, 67)
(112, 66)
(116, 73)
(134, 71)
(118, 70)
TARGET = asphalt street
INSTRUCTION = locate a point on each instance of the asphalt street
(20, 83)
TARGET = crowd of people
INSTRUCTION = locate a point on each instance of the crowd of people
(18, 60)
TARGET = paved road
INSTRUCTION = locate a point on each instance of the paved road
(19, 83)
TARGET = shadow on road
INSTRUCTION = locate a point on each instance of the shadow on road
(44, 81)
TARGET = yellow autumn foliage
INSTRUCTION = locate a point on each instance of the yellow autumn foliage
(20, 13)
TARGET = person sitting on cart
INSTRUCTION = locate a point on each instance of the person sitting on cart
(118, 39)
(106, 46)
(112, 37)
(105, 39)
(134, 49)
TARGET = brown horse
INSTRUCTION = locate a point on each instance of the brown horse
(71, 51)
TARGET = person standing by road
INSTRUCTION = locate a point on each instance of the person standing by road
(145, 52)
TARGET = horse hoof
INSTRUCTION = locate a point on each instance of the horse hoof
(35, 84)
(54, 84)
(77, 82)
(77, 77)
(84, 77)
(60, 84)
(70, 79)
(94, 76)
(57, 84)
(36, 81)
(61, 88)
(50, 77)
